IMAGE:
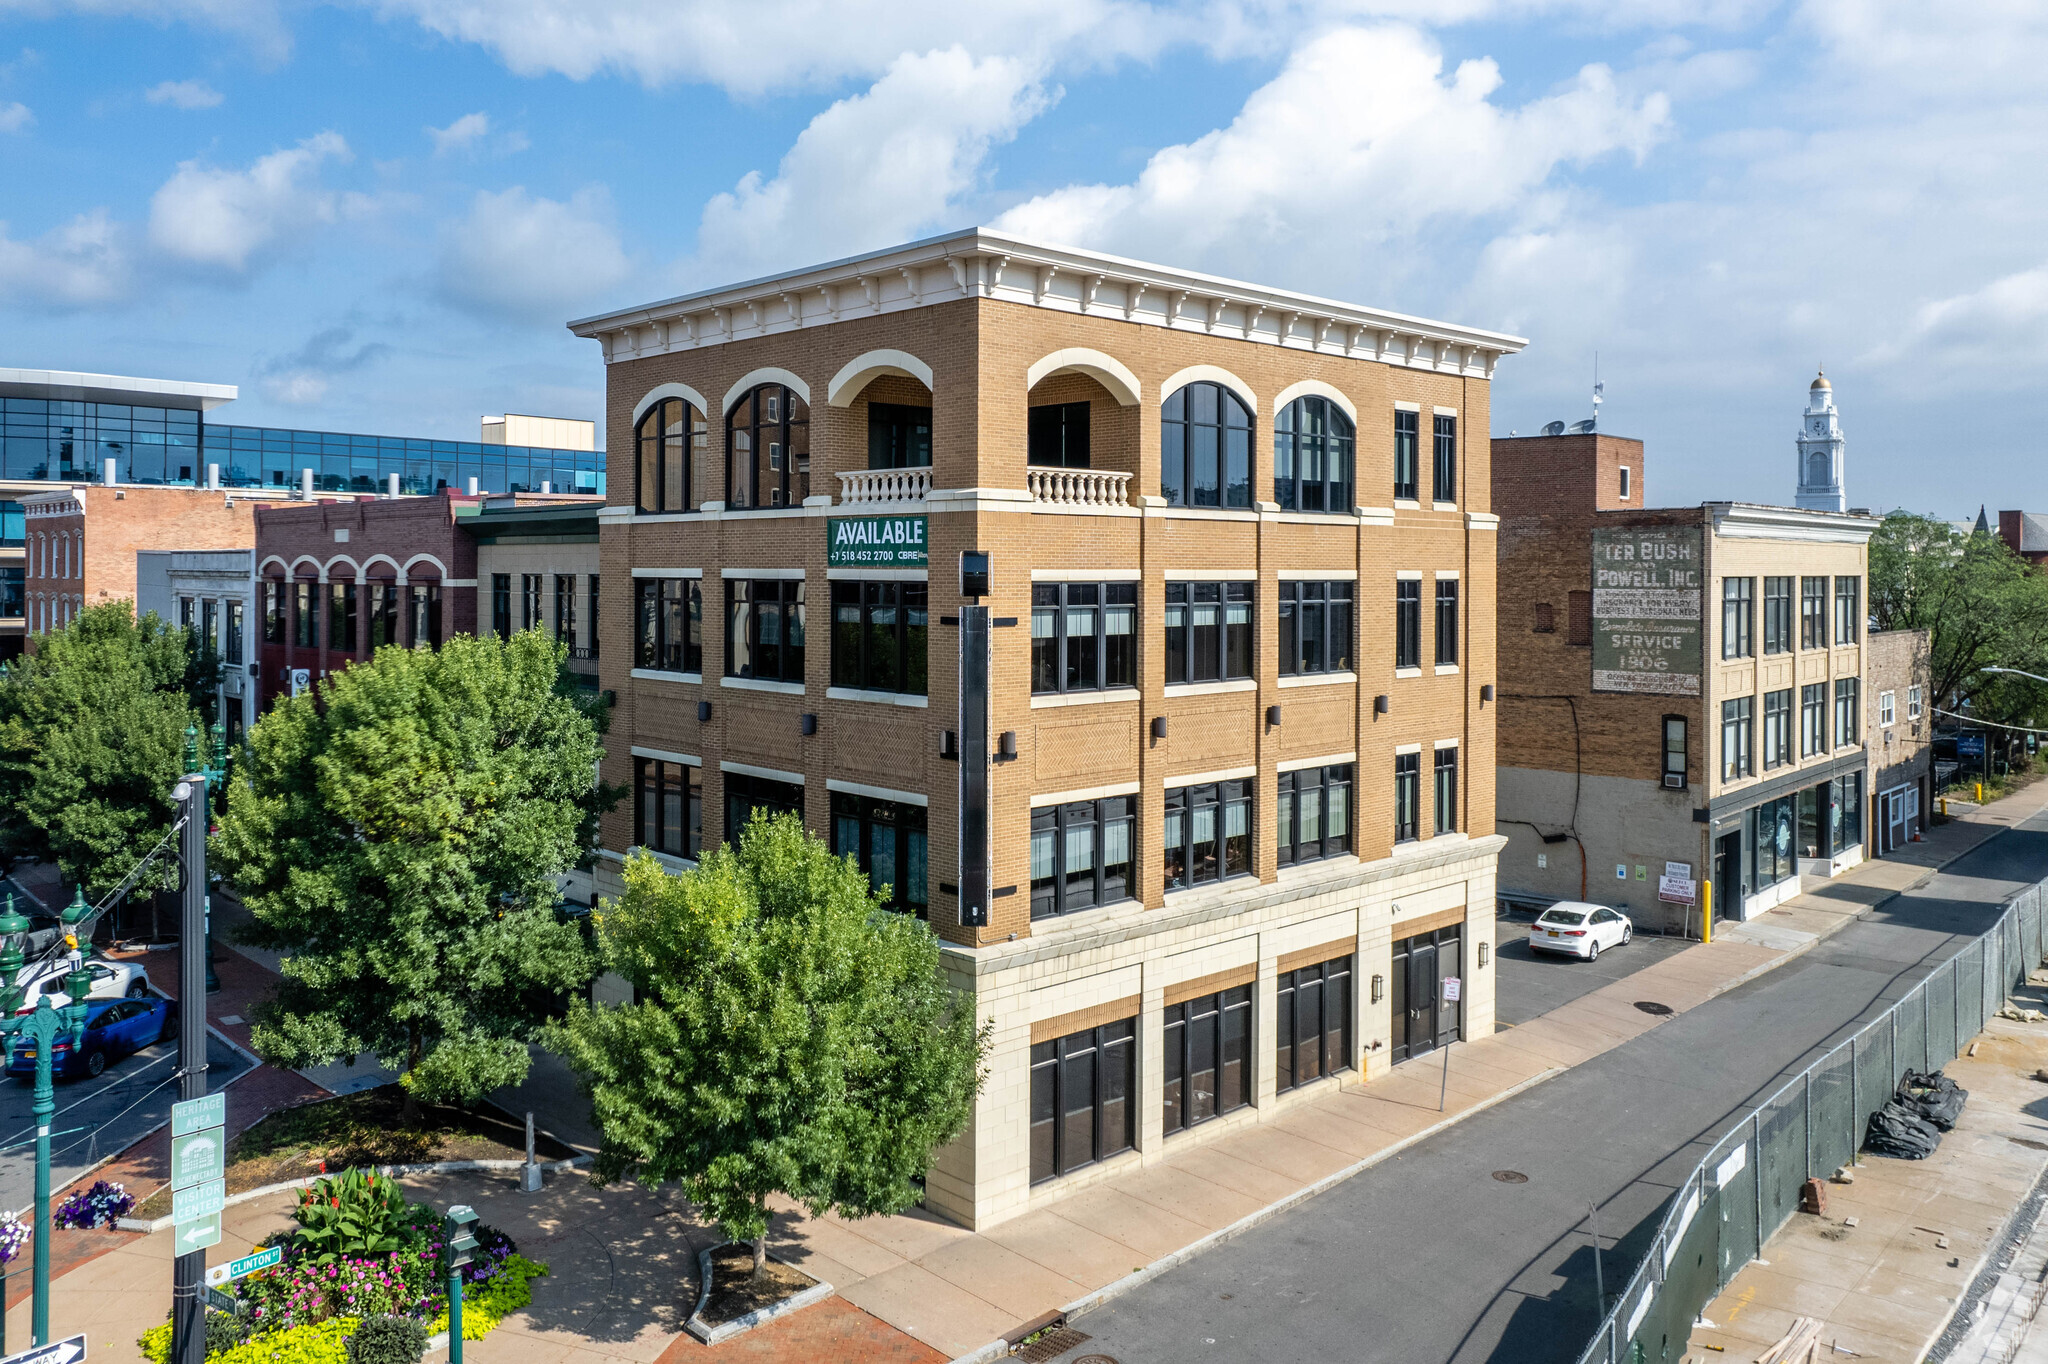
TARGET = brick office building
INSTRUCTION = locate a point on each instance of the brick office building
(337, 579)
(1683, 686)
(1239, 758)
(2025, 534)
(1901, 739)
(81, 542)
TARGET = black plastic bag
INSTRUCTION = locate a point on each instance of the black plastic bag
(1934, 1097)
(1900, 1133)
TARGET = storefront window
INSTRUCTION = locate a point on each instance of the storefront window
(1082, 1091)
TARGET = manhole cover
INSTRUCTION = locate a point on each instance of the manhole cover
(1095, 1359)
(1051, 1345)
(2029, 1143)
(1511, 1176)
(1654, 1009)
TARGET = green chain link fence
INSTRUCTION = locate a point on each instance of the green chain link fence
(1748, 1186)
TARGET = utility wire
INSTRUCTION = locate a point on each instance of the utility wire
(1993, 724)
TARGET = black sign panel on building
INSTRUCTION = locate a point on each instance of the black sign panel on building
(974, 766)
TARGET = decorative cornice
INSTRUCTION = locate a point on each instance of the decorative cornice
(1752, 521)
(982, 264)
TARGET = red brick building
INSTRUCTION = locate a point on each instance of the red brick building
(2025, 533)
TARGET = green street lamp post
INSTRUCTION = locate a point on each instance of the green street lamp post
(44, 1027)
(214, 765)
(459, 1246)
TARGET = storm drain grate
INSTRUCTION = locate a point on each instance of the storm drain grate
(1654, 1009)
(1511, 1176)
(1055, 1342)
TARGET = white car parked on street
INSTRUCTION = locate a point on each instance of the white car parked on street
(1579, 928)
(110, 980)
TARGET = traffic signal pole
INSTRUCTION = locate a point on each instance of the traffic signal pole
(188, 1308)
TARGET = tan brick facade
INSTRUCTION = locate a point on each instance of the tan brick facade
(983, 346)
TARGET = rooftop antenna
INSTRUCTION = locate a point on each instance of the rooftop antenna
(1599, 390)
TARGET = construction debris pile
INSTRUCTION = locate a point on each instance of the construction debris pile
(1910, 1124)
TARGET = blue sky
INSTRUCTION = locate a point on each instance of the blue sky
(377, 217)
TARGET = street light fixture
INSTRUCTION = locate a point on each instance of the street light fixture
(43, 1027)
(2014, 671)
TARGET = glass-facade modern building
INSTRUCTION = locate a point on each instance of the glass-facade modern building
(162, 436)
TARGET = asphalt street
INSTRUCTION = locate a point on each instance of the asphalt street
(129, 1098)
(1425, 1257)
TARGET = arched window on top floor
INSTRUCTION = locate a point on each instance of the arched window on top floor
(1313, 449)
(768, 449)
(673, 443)
(1205, 448)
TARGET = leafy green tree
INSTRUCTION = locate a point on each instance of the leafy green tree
(396, 834)
(1981, 604)
(792, 1036)
(92, 738)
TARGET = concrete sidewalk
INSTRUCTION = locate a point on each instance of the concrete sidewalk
(1922, 1230)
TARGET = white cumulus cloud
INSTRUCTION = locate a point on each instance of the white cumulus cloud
(524, 256)
(224, 218)
(81, 263)
(193, 94)
(876, 167)
(15, 117)
(1300, 176)
(458, 136)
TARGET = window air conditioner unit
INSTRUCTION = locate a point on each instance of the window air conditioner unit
(1674, 781)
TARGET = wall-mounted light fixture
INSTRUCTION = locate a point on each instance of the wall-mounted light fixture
(1380, 705)
(1486, 693)
(1379, 988)
(1007, 744)
(808, 725)
(949, 745)
(1485, 954)
(1273, 717)
(703, 712)
(1159, 726)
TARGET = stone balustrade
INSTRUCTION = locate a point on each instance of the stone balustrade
(1079, 487)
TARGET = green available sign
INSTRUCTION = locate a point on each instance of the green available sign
(875, 542)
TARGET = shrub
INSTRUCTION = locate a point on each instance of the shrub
(224, 1331)
(323, 1342)
(508, 1290)
(100, 1206)
(302, 1290)
(387, 1340)
(350, 1216)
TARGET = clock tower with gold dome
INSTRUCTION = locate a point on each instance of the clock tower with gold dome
(1821, 449)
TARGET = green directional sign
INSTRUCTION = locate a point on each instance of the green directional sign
(196, 1115)
(875, 542)
(199, 1233)
(248, 1264)
(219, 1301)
(197, 1157)
(201, 1200)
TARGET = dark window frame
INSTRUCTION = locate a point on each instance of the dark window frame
(1444, 790)
(685, 781)
(341, 616)
(909, 886)
(235, 632)
(1848, 609)
(1056, 888)
(1318, 626)
(747, 795)
(1777, 728)
(899, 436)
(1313, 432)
(1738, 739)
(305, 615)
(1183, 419)
(1446, 622)
(1407, 797)
(275, 609)
(565, 609)
(776, 416)
(1328, 984)
(1848, 711)
(1057, 435)
(1204, 1029)
(1408, 622)
(1235, 641)
(1778, 614)
(858, 659)
(530, 600)
(1111, 1052)
(669, 625)
(1738, 617)
(1681, 751)
(763, 598)
(1813, 719)
(1443, 464)
(1813, 612)
(1333, 789)
(667, 459)
(501, 605)
(1407, 456)
(1232, 857)
(1063, 661)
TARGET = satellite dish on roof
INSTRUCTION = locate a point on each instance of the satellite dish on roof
(1584, 428)
(1553, 429)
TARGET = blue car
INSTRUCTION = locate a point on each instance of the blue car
(113, 1028)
